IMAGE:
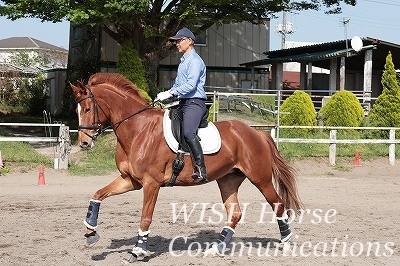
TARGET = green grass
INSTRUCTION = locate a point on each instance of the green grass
(99, 160)
(257, 111)
(21, 157)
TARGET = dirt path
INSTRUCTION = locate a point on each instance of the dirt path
(352, 219)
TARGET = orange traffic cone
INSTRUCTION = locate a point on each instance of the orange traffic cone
(41, 180)
(356, 161)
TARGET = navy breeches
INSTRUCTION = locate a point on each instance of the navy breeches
(193, 111)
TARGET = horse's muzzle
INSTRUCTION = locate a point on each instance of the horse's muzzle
(86, 145)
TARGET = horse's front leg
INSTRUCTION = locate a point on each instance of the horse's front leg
(118, 186)
(140, 251)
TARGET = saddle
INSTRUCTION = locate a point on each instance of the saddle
(207, 134)
(176, 117)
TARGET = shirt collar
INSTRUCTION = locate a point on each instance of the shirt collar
(187, 54)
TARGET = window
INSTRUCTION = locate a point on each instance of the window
(201, 39)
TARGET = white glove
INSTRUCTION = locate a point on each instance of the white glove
(163, 96)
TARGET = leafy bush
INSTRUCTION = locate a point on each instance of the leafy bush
(343, 109)
(301, 110)
(27, 94)
(211, 112)
(33, 95)
(130, 66)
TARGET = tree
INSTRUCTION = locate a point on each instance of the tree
(130, 66)
(385, 111)
(147, 24)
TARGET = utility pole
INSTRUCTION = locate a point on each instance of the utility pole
(345, 22)
(284, 29)
(342, 70)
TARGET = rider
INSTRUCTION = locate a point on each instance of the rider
(189, 89)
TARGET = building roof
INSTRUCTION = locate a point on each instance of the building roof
(27, 43)
(321, 54)
(18, 69)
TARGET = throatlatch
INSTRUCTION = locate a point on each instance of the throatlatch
(284, 228)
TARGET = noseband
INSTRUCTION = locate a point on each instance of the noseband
(98, 128)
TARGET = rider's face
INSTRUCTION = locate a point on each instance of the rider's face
(183, 45)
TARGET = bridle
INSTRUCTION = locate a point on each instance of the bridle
(98, 127)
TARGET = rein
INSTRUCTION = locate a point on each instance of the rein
(98, 127)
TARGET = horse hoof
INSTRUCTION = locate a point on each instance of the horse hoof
(129, 258)
(92, 238)
(286, 249)
(212, 252)
(137, 254)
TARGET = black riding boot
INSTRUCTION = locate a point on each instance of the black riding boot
(198, 161)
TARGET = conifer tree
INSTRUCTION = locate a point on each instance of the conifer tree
(385, 111)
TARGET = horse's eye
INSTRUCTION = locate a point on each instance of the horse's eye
(87, 109)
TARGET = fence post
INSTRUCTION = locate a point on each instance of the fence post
(65, 147)
(272, 133)
(392, 147)
(332, 147)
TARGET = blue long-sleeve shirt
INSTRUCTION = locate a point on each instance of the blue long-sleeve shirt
(191, 77)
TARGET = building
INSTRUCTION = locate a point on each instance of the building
(25, 57)
(222, 49)
(31, 52)
(355, 69)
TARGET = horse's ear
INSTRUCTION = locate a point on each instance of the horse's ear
(79, 90)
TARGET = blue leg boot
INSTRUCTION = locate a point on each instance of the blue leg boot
(91, 222)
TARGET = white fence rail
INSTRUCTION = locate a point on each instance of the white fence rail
(63, 140)
(333, 141)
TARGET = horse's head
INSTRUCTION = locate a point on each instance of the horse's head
(89, 118)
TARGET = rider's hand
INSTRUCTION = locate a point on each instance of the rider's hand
(163, 96)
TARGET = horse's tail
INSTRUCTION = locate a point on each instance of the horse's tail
(285, 178)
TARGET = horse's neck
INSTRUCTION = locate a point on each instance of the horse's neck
(128, 114)
(122, 105)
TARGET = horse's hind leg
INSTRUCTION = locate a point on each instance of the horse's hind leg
(228, 186)
(275, 201)
(118, 186)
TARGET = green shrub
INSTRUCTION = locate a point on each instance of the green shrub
(211, 112)
(26, 95)
(32, 95)
(343, 109)
(131, 66)
(301, 110)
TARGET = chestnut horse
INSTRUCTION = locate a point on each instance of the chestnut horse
(144, 159)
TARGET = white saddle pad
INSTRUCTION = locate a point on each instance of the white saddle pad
(210, 138)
